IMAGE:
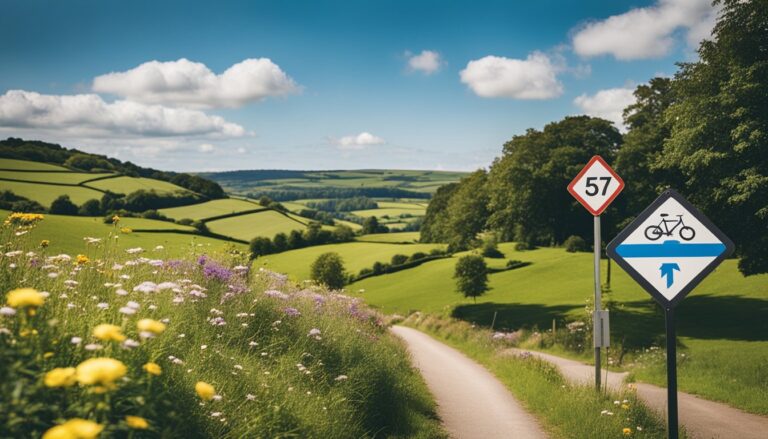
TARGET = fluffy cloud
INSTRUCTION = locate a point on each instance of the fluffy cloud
(192, 84)
(496, 77)
(648, 32)
(88, 115)
(608, 104)
(206, 148)
(359, 141)
(427, 62)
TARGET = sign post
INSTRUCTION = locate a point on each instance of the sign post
(669, 249)
(595, 187)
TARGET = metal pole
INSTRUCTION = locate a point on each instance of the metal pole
(597, 327)
(669, 318)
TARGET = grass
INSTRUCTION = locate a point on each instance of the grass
(356, 256)
(567, 411)
(66, 233)
(137, 224)
(46, 193)
(209, 209)
(26, 165)
(294, 363)
(50, 177)
(246, 227)
(398, 238)
(726, 311)
(390, 212)
(126, 185)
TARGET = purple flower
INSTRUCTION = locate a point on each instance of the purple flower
(276, 294)
(293, 312)
(212, 270)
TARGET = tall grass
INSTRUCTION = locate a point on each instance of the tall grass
(283, 361)
(566, 410)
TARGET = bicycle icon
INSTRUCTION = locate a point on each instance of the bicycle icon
(667, 227)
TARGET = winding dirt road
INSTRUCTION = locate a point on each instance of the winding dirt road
(472, 403)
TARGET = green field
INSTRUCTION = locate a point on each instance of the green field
(50, 177)
(390, 212)
(210, 209)
(356, 256)
(721, 326)
(26, 165)
(66, 234)
(126, 185)
(399, 237)
(247, 227)
(46, 193)
(148, 224)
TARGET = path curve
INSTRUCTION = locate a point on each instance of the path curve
(702, 418)
(472, 403)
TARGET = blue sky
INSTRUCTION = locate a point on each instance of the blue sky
(325, 85)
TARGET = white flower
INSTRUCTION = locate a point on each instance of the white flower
(71, 305)
(238, 367)
(146, 287)
(135, 250)
(159, 247)
(91, 240)
(93, 347)
(117, 267)
(251, 397)
(215, 414)
(127, 310)
(203, 347)
(313, 332)
(130, 343)
(53, 275)
(76, 340)
(7, 311)
(152, 307)
(217, 397)
(121, 292)
(102, 305)
(14, 253)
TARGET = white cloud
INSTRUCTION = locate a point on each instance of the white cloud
(427, 62)
(206, 148)
(648, 32)
(88, 115)
(193, 84)
(496, 77)
(608, 104)
(358, 141)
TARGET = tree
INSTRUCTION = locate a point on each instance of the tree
(371, 225)
(91, 207)
(471, 276)
(343, 233)
(261, 246)
(719, 129)
(280, 242)
(434, 228)
(467, 211)
(63, 206)
(328, 269)
(398, 259)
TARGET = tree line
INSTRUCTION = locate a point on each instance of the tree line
(703, 132)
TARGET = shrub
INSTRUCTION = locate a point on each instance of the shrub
(63, 206)
(90, 208)
(416, 256)
(328, 270)
(491, 250)
(575, 244)
(399, 259)
(185, 221)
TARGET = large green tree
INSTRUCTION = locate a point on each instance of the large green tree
(467, 211)
(471, 276)
(328, 270)
(435, 225)
(719, 129)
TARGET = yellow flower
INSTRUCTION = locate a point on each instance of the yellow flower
(26, 332)
(23, 297)
(625, 406)
(102, 370)
(47, 355)
(45, 243)
(60, 377)
(82, 259)
(23, 218)
(137, 422)
(115, 219)
(126, 230)
(153, 368)
(75, 428)
(205, 391)
(107, 332)
(626, 431)
(149, 325)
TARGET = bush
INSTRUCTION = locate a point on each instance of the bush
(90, 208)
(491, 250)
(399, 259)
(328, 270)
(63, 206)
(575, 244)
(416, 256)
(185, 221)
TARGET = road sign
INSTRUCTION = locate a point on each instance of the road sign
(596, 186)
(670, 248)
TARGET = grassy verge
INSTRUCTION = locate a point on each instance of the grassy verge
(567, 411)
(283, 362)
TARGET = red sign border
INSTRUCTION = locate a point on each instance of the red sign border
(610, 199)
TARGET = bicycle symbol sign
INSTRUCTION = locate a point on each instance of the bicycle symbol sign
(670, 248)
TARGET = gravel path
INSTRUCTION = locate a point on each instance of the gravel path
(471, 402)
(703, 419)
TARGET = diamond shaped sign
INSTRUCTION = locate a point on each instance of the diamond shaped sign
(596, 186)
(670, 248)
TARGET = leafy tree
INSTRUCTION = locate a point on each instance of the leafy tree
(719, 129)
(399, 259)
(296, 239)
(63, 206)
(468, 211)
(328, 269)
(261, 246)
(343, 233)
(434, 227)
(471, 276)
(90, 208)
(280, 242)
(87, 162)
(371, 225)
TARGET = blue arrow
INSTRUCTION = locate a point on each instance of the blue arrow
(668, 270)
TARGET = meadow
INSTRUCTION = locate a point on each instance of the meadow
(246, 227)
(133, 343)
(211, 209)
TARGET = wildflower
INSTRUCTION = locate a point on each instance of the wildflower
(102, 305)
(7, 311)
(290, 311)
(137, 422)
(250, 397)
(82, 259)
(127, 310)
(102, 370)
(115, 219)
(24, 297)
(47, 355)
(45, 243)
(625, 406)
(126, 230)
(76, 340)
(626, 431)
(135, 250)
(152, 369)
(341, 378)
(151, 326)
(90, 240)
(75, 428)
(93, 347)
(121, 292)
(60, 377)
(131, 343)
(205, 391)
(107, 332)
(146, 287)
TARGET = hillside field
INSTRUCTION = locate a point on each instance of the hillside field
(246, 227)
(210, 209)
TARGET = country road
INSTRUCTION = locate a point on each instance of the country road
(703, 419)
(472, 403)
